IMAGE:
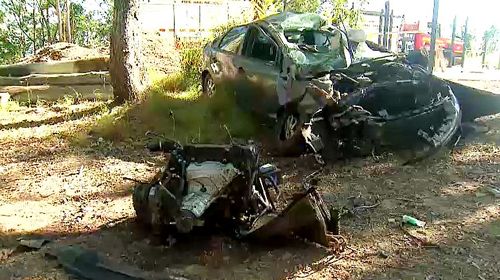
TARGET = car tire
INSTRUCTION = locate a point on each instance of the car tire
(288, 134)
(208, 85)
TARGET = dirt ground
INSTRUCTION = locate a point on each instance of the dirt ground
(72, 190)
(64, 52)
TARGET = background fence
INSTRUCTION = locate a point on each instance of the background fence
(185, 19)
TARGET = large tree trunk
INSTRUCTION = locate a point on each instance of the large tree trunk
(128, 75)
(68, 21)
(59, 21)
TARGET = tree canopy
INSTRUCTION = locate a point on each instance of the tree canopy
(28, 25)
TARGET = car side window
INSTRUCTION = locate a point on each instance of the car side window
(260, 46)
(232, 40)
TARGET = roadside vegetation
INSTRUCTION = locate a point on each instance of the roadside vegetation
(185, 116)
(174, 107)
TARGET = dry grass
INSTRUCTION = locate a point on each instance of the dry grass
(64, 177)
(185, 116)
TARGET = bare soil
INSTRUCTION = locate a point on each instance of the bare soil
(64, 52)
(71, 189)
(160, 54)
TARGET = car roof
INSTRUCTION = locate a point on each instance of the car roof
(292, 21)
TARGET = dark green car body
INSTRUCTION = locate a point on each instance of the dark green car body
(249, 60)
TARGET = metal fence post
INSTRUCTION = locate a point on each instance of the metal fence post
(173, 16)
(380, 27)
(435, 15)
(391, 27)
(199, 18)
(386, 22)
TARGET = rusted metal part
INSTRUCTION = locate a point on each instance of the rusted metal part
(217, 185)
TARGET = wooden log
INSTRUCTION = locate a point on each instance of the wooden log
(52, 93)
(91, 78)
(59, 67)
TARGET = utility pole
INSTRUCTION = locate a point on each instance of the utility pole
(391, 27)
(380, 27)
(435, 16)
(465, 39)
(452, 54)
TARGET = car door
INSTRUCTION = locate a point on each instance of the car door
(257, 72)
(220, 62)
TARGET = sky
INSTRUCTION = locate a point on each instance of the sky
(482, 13)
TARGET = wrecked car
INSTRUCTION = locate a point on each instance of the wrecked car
(225, 187)
(336, 96)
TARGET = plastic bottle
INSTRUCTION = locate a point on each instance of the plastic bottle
(413, 221)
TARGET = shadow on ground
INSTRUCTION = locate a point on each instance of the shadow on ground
(74, 193)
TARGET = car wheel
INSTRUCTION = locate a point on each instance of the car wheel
(208, 86)
(289, 134)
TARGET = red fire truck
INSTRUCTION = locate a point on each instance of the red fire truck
(414, 39)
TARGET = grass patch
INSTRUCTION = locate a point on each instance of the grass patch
(176, 82)
(183, 115)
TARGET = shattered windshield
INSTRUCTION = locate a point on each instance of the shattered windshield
(310, 43)
(311, 40)
(319, 49)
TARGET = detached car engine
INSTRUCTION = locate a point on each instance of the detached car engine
(224, 186)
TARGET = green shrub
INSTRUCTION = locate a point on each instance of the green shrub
(192, 60)
(175, 82)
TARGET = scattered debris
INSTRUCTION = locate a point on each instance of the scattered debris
(419, 238)
(33, 244)
(494, 191)
(87, 264)
(5, 254)
(413, 221)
